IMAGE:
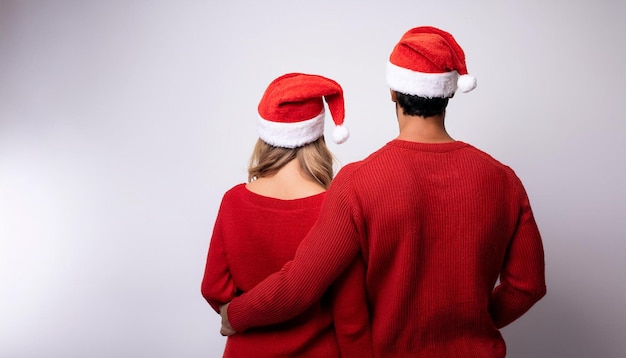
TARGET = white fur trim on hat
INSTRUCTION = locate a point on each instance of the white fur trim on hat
(428, 85)
(291, 135)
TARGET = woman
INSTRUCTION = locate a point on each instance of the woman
(261, 223)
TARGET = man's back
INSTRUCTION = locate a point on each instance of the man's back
(435, 224)
(436, 221)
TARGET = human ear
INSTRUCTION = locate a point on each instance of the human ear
(393, 95)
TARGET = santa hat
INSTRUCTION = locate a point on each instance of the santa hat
(428, 62)
(291, 112)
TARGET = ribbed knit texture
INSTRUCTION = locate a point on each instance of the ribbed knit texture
(437, 225)
(255, 236)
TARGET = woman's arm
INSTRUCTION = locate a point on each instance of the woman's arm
(217, 286)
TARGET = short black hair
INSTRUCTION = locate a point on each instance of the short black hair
(421, 106)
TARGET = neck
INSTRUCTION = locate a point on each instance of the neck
(423, 129)
(290, 173)
(290, 182)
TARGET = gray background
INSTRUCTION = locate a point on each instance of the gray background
(122, 123)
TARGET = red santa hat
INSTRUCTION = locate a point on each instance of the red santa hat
(428, 62)
(291, 112)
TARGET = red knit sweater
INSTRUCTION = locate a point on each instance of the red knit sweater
(437, 225)
(254, 236)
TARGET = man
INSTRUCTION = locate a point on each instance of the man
(436, 221)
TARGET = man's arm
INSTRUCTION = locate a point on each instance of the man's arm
(522, 280)
(351, 312)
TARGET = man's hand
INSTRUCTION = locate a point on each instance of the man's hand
(226, 329)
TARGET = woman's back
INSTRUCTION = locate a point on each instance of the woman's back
(257, 235)
(262, 223)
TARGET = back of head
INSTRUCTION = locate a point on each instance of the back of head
(425, 69)
(291, 125)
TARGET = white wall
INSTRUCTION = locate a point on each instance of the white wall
(123, 122)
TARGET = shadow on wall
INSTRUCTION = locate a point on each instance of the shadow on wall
(555, 327)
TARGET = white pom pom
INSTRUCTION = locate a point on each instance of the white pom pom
(340, 134)
(466, 83)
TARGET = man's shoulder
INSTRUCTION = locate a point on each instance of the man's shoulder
(359, 165)
(493, 165)
(488, 157)
(347, 171)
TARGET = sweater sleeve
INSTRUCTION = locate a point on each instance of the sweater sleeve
(327, 250)
(350, 312)
(522, 279)
(217, 286)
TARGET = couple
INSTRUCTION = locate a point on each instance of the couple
(426, 248)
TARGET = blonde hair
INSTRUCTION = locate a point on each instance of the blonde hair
(315, 159)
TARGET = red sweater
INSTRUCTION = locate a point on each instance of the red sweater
(437, 225)
(255, 236)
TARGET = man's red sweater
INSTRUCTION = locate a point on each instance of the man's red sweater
(437, 225)
(253, 237)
